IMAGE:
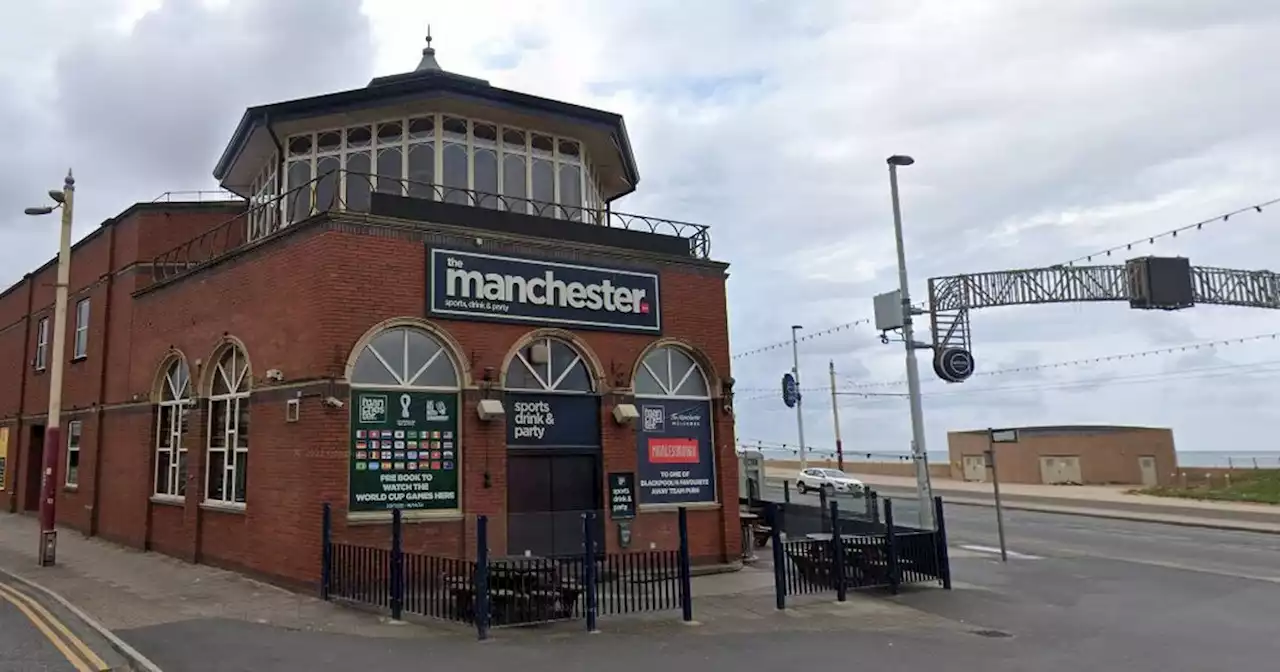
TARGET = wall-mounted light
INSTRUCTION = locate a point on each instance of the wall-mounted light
(490, 409)
(275, 375)
(726, 394)
(625, 414)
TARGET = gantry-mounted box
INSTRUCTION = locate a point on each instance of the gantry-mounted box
(1160, 283)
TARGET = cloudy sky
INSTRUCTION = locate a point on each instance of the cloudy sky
(1042, 131)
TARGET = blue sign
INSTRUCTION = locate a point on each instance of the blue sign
(675, 455)
(790, 391)
(474, 286)
(552, 420)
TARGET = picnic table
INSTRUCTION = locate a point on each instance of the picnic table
(521, 590)
(864, 564)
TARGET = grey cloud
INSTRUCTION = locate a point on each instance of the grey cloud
(149, 111)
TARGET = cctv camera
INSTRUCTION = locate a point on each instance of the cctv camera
(333, 402)
(884, 338)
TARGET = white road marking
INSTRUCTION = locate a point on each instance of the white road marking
(996, 551)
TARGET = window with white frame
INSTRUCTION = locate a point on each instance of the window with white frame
(405, 357)
(42, 344)
(227, 458)
(171, 430)
(548, 365)
(73, 453)
(441, 157)
(668, 371)
(81, 345)
(263, 213)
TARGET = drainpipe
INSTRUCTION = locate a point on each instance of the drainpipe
(102, 377)
(15, 439)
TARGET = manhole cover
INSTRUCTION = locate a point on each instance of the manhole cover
(990, 633)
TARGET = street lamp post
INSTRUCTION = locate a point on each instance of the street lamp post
(919, 453)
(795, 371)
(64, 199)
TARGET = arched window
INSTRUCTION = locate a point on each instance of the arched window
(227, 470)
(675, 448)
(405, 357)
(405, 424)
(548, 365)
(668, 371)
(171, 428)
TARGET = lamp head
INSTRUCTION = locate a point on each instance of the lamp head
(35, 212)
(900, 160)
(57, 196)
(794, 327)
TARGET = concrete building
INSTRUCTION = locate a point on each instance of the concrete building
(1073, 454)
(415, 295)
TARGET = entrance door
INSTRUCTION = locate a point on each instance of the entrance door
(1147, 463)
(546, 497)
(975, 468)
(35, 463)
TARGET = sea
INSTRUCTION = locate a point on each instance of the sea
(1240, 459)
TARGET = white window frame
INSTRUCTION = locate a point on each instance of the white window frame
(237, 381)
(669, 384)
(75, 430)
(667, 380)
(175, 395)
(589, 206)
(80, 347)
(549, 380)
(42, 344)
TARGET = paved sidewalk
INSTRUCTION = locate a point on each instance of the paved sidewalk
(148, 597)
(123, 588)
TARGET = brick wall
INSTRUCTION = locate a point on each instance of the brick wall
(300, 304)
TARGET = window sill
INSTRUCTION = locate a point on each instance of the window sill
(384, 517)
(71, 487)
(41, 371)
(77, 360)
(169, 500)
(692, 506)
(224, 507)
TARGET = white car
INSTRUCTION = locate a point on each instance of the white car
(832, 480)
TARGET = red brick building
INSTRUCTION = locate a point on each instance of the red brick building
(419, 298)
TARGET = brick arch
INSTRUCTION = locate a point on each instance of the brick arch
(452, 348)
(594, 367)
(699, 357)
(158, 378)
(208, 368)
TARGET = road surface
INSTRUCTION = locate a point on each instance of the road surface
(36, 636)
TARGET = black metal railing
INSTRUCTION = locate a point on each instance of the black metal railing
(817, 551)
(350, 191)
(361, 574)
(639, 582)
(507, 591)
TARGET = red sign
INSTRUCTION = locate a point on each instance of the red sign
(673, 451)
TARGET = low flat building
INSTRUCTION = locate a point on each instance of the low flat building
(1069, 455)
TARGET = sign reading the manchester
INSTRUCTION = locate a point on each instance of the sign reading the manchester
(469, 285)
(404, 450)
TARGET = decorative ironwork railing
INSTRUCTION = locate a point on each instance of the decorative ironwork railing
(342, 190)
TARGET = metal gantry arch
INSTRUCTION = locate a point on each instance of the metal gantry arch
(1160, 283)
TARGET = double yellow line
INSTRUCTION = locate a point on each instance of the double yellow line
(71, 647)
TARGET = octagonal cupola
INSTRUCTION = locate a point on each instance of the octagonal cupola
(431, 134)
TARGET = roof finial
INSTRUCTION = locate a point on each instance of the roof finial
(428, 61)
